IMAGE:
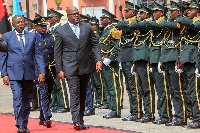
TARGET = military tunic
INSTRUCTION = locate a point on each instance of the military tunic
(109, 47)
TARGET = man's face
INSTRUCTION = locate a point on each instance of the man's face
(73, 16)
(18, 24)
(174, 14)
(129, 13)
(29, 25)
(105, 21)
(193, 12)
(53, 20)
(143, 16)
(94, 27)
(158, 14)
(42, 29)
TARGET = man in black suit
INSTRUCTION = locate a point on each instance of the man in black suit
(75, 48)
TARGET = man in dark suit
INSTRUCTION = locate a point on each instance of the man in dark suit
(18, 69)
(74, 51)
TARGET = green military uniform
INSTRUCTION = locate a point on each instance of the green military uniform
(59, 101)
(96, 76)
(109, 47)
(125, 57)
(164, 101)
(141, 61)
(169, 57)
(189, 60)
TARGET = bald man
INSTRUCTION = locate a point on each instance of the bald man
(76, 52)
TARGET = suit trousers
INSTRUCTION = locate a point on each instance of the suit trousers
(89, 97)
(77, 87)
(22, 94)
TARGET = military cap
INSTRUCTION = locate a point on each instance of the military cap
(54, 13)
(107, 14)
(185, 4)
(115, 21)
(158, 6)
(84, 17)
(40, 20)
(174, 6)
(130, 6)
(37, 16)
(94, 20)
(194, 4)
(48, 13)
(27, 20)
(145, 9)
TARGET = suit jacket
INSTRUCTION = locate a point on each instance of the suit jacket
(18, 64)
(47, 49)
(76, 56)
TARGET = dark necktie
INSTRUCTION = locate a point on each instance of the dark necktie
(21, 42)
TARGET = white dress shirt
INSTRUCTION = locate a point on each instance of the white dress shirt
(72, 26)
(18, 37)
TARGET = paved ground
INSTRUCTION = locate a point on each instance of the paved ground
(96, 120)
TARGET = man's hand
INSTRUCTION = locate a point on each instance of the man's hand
(61, 75)
(98, 66)
(106, 61)
(41, 78)
(159, 67)
(6, 80)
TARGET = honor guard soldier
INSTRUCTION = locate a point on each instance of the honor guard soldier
(109, 41)
(46, 45)
(169, 58)
(125, 57)
(97, 82)
(29, 23)
(141, 63)
(189, 58)
(59, 101)
(164, 106)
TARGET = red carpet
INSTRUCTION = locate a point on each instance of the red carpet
(7, 125)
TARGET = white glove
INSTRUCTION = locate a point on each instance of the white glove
(120, 66)
(178, 70)
(197, 72)
(159, 68)
(106, 61)
(133, 73)
(149, 69)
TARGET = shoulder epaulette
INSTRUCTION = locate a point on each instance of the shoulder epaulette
(160, 19)
(178, 25)
(133, 19)
(148, 19)
(196, 19)
(115, 33)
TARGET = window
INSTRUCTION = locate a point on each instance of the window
(34, 6)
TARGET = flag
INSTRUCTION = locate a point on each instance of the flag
(4, 24)
(17, 10)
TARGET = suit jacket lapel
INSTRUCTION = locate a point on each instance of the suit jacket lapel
(15, 39)
(26, 36)
(70, 33)
(82, 32)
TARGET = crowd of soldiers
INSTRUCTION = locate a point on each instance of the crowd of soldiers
(152, 49)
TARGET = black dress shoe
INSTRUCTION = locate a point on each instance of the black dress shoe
(22, 129)
(97, 105)
(84, 127)
(145, 119)
(111, 115)
(104, 107)
(160, 121)
(130, 118)
(62, 110)
(176, 123)
(89, 112)
(192, 125)
(77, 126)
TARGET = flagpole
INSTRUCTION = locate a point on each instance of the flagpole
(27, 8)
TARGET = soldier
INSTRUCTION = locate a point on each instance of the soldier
(46, 45)
(59, 101)
(189, 58)
(125, 58)
(29, 24)
(96, 76)
(109, 47)
(169, 58)
(164, 106)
